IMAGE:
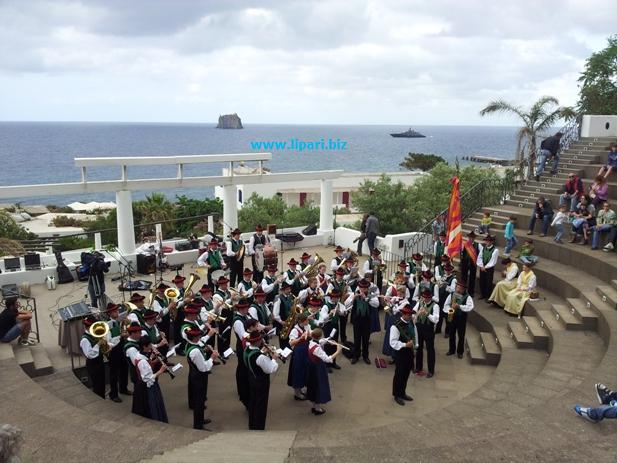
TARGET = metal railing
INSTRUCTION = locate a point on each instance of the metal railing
(485, 193)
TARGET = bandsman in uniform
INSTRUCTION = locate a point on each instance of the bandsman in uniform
(426, 313)
(461, 304)
(298, 339)
(212, 259)
(118, 368)
(403, 341)
(260, 366)
(91, 348)
(200, 363)
(281, 311)
(258, 239)
(235, 251)
(318, 386)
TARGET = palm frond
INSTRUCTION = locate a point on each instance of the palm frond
(563, 112)
(524, 134)
(501, 106)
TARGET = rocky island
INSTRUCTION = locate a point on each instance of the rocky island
(229, 121)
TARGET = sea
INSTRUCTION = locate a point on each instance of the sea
(44, 152)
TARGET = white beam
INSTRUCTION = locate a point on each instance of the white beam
(53, 189)
(165, 160)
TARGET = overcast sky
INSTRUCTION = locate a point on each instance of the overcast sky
(330, 62)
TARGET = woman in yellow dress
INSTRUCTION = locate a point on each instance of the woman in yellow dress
(525, 285)
(505, 286)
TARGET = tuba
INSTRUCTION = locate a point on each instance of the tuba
(311, 270)
(296, 309)
(193, 277)
(99, 331)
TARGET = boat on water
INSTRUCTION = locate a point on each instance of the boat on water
(408, 134)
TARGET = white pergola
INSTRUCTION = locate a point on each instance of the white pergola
(123, 187)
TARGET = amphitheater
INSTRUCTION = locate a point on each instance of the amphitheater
(510, 399)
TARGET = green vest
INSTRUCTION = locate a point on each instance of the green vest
(313, 323)
(152, 332)
(362, 307)
(429, 309)
(190, 347)
(214, 259)
(114, 328)
(262, 314)
(161, 301)
(296, 286)
(235, 245)
(93, 341)
(247, 355)
(487, 253)
(439, 249)
(407, 333)
(247, 285)
(285, 306)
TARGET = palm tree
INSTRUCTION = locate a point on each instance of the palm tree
(156, 208)
(541, 117)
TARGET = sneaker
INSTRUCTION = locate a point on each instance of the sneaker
(584, 412)
(530, 232)
(608, 247)
(603, 393)
(26, 342)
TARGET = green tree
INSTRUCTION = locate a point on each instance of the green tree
(421, 161)
(598, 82)
(10, 233)
(190, 207)
(542, 115)
(156, 208)
(260, 210)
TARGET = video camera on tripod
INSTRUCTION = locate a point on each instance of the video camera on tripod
(93, 264)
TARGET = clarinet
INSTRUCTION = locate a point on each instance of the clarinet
(163, 361)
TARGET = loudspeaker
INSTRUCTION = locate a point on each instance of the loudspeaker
(146, 264)
(310, 230)
(183, 246)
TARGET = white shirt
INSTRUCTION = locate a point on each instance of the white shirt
(132, 352)
(145, 370)
(202, 261)
(468, 307)
(395, 335)
(268, 288)
(373, 301)
(290, 281)
(331, 288)
(433, 316)
(91, 352)
(264, 362)
(158, 308)
(200, 362)
(492, 262)
(559, 219)
(531, 283)
(319, 352)
(512, 271)
(297, 332)
(245, 293)
(334, 264)
(229, 252)
(309, 292)
(239, 329)
(217, 302)
(253, 311)
(251, 247)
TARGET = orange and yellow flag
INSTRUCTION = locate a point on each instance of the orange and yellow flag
(455, 231)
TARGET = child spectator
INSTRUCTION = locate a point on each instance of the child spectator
(509, 236)
(558, 221)
(598, 191)
(526, 255)
(611, 163)
(485, 223)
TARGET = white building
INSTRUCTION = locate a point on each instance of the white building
(301, 192)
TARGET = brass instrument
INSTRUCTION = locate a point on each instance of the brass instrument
(296, 309)
(350, 255)
(452, 311)
(311, 270)
(151, 299)
(216, 317)
(240, 252)
(171, 295)
(99, 330)
(193, 278)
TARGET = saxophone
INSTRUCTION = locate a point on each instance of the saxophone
(457, 300)
(296, 309)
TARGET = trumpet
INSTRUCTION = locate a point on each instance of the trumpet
(99, 330)
(212, 315)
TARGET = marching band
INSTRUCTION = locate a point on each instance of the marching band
(306, 307)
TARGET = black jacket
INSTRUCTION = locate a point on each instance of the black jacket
(551, 144)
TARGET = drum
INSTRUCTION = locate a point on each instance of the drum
(270, 256)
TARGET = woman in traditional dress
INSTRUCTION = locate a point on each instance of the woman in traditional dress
(145, 373)
(298, 366)
(318, 386)
(526, 284)
(503, 288)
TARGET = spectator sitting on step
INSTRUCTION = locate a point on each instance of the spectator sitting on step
(503, 287)
(573, 190)
(526, 255)
(598, 191)
(485, 224)
(582, 217)
(525, 287)
(611, 163)
(605, 222)
(543, 211)
(607, 408)
(15, 323)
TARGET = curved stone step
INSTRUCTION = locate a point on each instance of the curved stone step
(491, 347)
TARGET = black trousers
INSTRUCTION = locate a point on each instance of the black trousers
(118, 371)
(259, 392)
(442, 316)
(342, 327)
(236, 268)
(426, 337)
(165, 326)
(457, 329)
(96, 372)
(486, 282)
(403, 362)
(361, 336)
(330, 348)
(224, 340)
(198, 390)
(468, 275)
(177, 329)
(242, 380)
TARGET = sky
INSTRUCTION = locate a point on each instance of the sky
(295, 62)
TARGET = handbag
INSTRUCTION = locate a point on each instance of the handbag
(578, 222)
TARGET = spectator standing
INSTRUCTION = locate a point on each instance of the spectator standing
(605, 222)
(542, 211)
(372, 229)
(439, 226)
(557, 223)
(362, 236)
(549, 149)
(509, 236)
(573, 191)
(611, 163)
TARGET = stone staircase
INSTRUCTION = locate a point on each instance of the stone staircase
(34, 360)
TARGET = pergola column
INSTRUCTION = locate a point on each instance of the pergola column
(326, 216)
(230, 208)
(124, 220)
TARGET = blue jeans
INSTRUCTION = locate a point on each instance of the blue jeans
(573, 200)
(546, 221)
(510, 244)
(370, 237)
(603, 411)
(529, 259)
(555, 164)
(541, 161)
(560, 231)
(12, 333)
(597, 231)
